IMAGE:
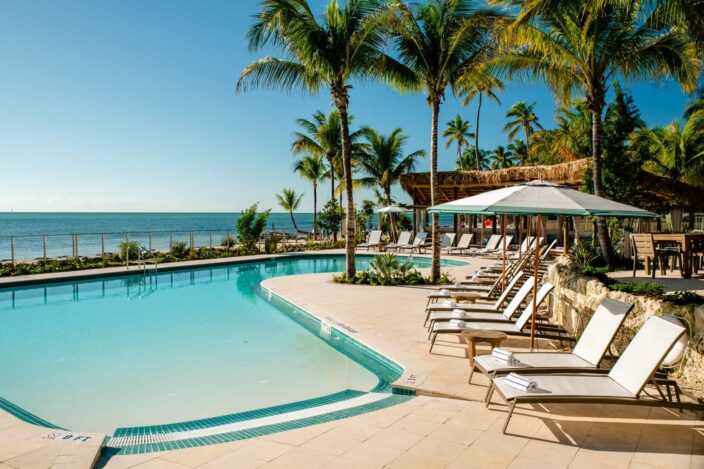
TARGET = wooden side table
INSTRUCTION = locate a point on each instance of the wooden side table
(475, 336)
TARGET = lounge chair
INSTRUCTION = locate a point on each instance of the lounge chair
(446, 292)
(462, 244)
(504, 325)
(491, 246)
(473, 311)
(587, 353)
(622, 385)
(417, 243)
(403, 240)
(374, 240)
(447, 240)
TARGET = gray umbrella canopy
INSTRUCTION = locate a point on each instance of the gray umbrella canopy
(391, 209)
(540, 198)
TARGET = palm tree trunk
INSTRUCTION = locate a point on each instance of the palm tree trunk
(293, 220)
(332, 181)
(476, 134)
(392, 216)
(342, 103)
(526, 129)
(315, 211)
(435, 232)
(607, 252)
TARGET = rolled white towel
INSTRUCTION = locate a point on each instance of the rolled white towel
(504, 356)
(444, 291)
(520, 382)
(458, 323)
(458, 313)
(475, 277)
(447, 302)
(458, 284)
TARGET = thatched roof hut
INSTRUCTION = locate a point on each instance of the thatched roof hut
(453, 185)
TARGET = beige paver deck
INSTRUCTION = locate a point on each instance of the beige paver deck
(430, 431)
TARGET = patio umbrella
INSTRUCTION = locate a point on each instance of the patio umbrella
(538, 198)
(390, 209)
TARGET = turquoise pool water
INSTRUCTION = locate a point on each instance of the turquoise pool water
(99, 354)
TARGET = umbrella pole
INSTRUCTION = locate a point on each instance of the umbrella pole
(520, 236)
(481, 234)
(503, 268)
(535, 283)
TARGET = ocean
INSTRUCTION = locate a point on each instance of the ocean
(29, 229)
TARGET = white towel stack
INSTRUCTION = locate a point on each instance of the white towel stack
(447, 302)
(458, 284)
(458, 323)
(444, 291)
(504, 356)
(521, 382)
(457, 313)
(475, 277)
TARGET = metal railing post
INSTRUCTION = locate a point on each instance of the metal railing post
(102, 246)
(127, 250)
(210, 233)
(75, 246)
(44, 239)
(12, 249)
(150, 242)
(171, 240)
(192, 241)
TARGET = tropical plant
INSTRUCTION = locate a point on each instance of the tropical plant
(343, 44)
(250, 226)
(313, 170)
(384, 162)
(584, 46)
(129, 250)
(502, 157)
(331, 217)
(696, 105)
(440, 42)
(228, 241)
(290, 201)
(522, 116)
(457, 131)
(179, 249)
(675, 151)
(519, 149)
(389, 269)
(478, 85)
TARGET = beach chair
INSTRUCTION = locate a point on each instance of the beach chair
(417, 243)
(447, 240)
(491, 246)
(446, 312)
(623, 384)
(587, 353)
(456, 326)
(462, 244)
(374, 240)
(403, 240)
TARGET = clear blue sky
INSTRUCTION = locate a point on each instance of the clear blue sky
(130, 106)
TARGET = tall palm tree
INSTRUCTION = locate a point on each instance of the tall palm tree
(312, 168)
(583, 46)
(674, 151)
(478, 85)
(522, 116)
(384, 162)
(322, 136)
(696, 105)
(502, 157)
(328, 51)
(439, 42)
(289, 201)
(468, 160)
(457, 131)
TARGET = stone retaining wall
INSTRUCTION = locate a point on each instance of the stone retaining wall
(576, 297)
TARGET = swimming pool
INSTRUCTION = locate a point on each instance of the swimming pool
(134, 351)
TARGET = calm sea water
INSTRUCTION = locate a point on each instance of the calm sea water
(29, 229)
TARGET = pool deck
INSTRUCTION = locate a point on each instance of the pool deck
(432, 430)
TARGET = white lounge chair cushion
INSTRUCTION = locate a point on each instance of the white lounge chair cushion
(465, 306)
(476, 315)
(534, 360)
(569, 385)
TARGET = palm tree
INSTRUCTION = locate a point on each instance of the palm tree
(457, 131)
(468, 160)
(439, 42)
(502, 157)
(343, 44)
(289, 201)
(479, 85)
(696, 105)
(384, 162)
(322, 136)
(583, 46)
(312, 168)
(522, 117)
(519, 149)
(674, 151)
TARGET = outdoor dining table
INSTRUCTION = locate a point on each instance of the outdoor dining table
(687, 242)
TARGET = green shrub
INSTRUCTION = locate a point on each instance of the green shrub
(250, 226)
(131, 248)
(584, 255)
(228, 241)
(682, 298)
(330, 218)
(179, 249)
(271, 245)
(642, 288)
